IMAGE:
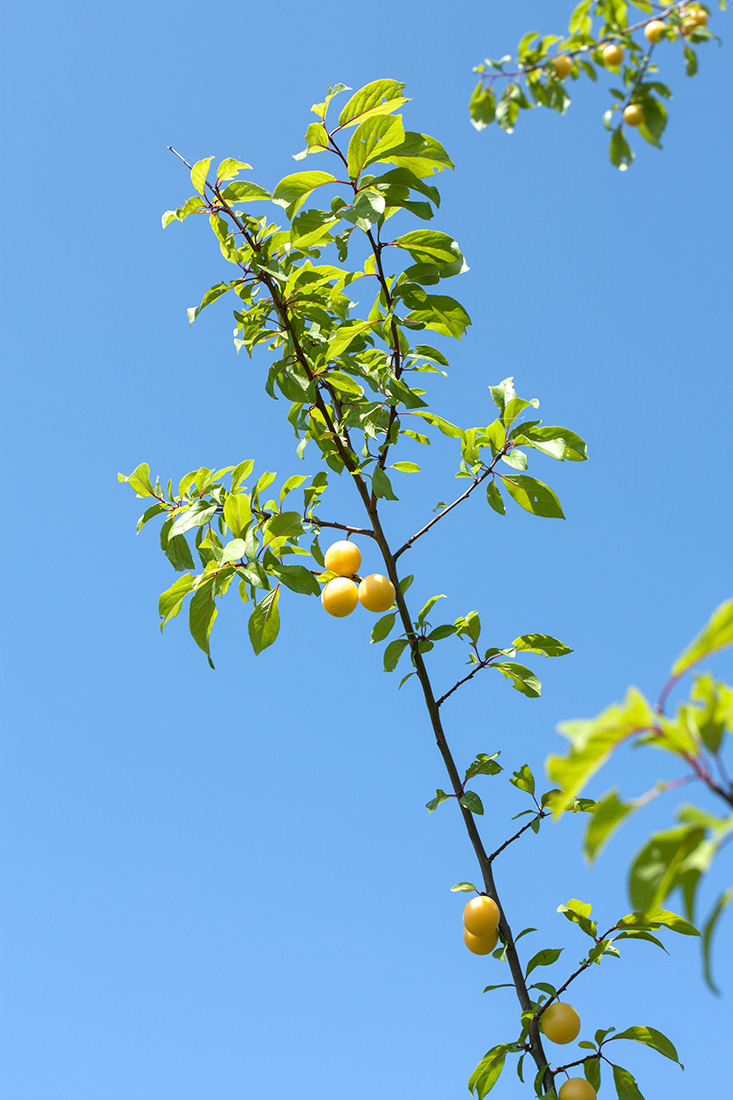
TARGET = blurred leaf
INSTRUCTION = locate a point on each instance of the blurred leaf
(725, 898)
(609, 813)
(482, 106)
(656, 868)
(593, 741)
(716, 634)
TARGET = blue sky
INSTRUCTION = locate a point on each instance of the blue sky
(225, 884)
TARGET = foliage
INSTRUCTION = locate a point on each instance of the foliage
(352, 380)
(695, 736)
(536, 76)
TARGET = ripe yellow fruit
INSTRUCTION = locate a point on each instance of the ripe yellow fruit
(481, 945)
(613, 55)
(653, 31)
(560, 1023)
(562, 66)
(343, 558)
(633, 115)
(481, 916)
(577, 1088)
(376, 593)
(696, 17)
(339, 597)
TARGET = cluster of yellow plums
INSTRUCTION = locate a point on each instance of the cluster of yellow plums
(613, 55)
(341, 595)
(560, 1022)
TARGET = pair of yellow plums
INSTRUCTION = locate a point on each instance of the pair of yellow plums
(341, 595)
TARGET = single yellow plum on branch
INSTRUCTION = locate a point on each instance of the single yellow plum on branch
(339, 597)
(562, 66)
(376, 593)
(613, 55)
(343, 558)
(577, 1088)
(481, 945)
(560, 1023)
(633, 115)
(481, 916)
(653, 31)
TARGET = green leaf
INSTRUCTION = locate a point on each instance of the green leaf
(483, 765)
(503, 985)
(725, 898)
(199, 513)
(370, 140)
(543, 958)
(523, 779)
(284, 525)
(234, 550)
(406, 467)
(438, 312)
(382, 627)
(380, 97)
(292, 191)
(432, 247)
(619, 151)
(523, 679)
(559, 443)
(716, 634)
(440, 796)
(495, 499)
(487, 1072)
(592, 1071)
(541, 643)
(297, 578)
(651, 1038)
(420, 154)
(264, 622)
(609, 813)
(343, 382)
(201, 616)
(229, 168)
(392, 654)
(471, 801)
(175, 549)
(237, 513)
(199, 173)
(626, 1087)
(171, 601)
(533, 495)
(148, 514)
(345, 335)
(245, 191)
(593, 740)
(381, 485)
(139, 480)
(427, 608)
(482, 106)
(690, 61)
(716, 714)
(464, 888)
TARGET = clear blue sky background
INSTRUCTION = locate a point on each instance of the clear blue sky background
(225, 884)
